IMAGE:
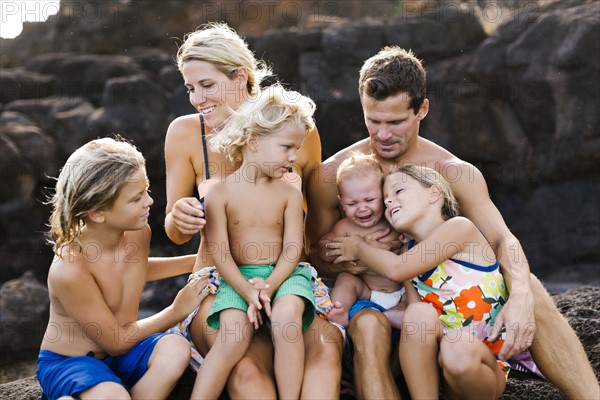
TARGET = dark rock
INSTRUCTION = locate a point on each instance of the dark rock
(24, 306)
(29, 157)
(134, 108)
(21, 84)
(440, 33)
(279, 47)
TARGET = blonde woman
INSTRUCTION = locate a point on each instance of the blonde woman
(221, 74)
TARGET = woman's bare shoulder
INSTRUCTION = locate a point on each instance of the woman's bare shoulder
(186, 126)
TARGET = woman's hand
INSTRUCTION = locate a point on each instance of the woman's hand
(188, 215)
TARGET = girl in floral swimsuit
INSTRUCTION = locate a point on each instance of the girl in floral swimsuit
(444, 338)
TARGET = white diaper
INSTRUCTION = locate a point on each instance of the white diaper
(385, 299)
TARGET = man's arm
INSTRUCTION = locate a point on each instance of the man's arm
(322, 215)
(517, 314)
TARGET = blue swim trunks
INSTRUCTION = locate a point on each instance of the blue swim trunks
(349, 350)
(70, 376)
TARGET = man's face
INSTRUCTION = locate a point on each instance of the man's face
(392, 124)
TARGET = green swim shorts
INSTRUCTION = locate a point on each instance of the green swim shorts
(298, 283)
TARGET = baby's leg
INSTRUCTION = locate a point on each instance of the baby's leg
(168, 361)
(419, 348)
(232, 342)
(396, 314)
(286, 321)
(347, 289)
(469, 368)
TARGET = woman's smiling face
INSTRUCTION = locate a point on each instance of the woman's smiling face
(212, 92)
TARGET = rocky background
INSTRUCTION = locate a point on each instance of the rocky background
(514, 89)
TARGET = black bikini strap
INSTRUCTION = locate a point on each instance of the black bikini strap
(206, 172)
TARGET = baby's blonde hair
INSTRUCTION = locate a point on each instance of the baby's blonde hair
(221, 46)
(90, 180)
(429, 177)
(263, 114)
(358, 165)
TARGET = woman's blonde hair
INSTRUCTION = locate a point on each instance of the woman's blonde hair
(221, 46)
(90, 180)
(359, 165)
(428, 178)
(263, 114)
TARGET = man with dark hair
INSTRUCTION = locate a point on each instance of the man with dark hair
(392, 93)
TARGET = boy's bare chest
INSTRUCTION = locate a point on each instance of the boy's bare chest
(121, 285)
(256, 209)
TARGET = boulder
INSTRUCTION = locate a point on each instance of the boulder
(24, 306)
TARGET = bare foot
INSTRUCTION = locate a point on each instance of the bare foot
(337, 313)
(395, 315)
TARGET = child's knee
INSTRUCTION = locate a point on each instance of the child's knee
(106, 390)
(172, 350)
(288, 308)
(419, 313)
(460, 353)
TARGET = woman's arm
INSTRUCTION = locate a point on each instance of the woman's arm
(184, 215)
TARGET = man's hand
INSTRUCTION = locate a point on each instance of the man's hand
(518, 319)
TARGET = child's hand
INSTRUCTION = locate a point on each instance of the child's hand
(258, 283)
(405, 238)
(254, 316)
(190, 296)
(265, 298)
(344, 248)
(250, 295)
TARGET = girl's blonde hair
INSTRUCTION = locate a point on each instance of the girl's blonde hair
(263, 114)
(358, 165)
(221, 46)
(428, 178)
(90, 180)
